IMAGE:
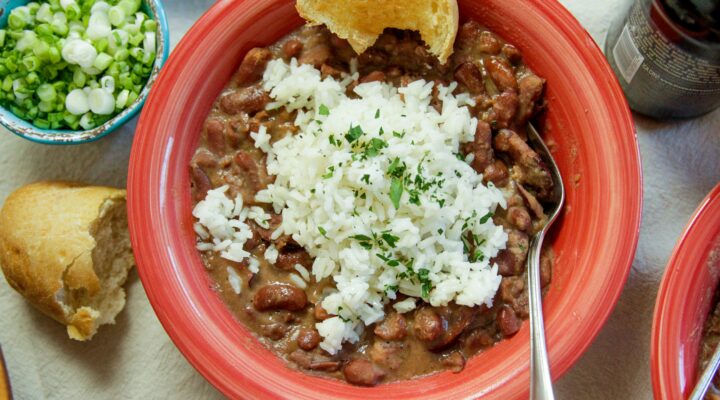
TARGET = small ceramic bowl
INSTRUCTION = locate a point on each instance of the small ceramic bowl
(684, 302)
(27, 130)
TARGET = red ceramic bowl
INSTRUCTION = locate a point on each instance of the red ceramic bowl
(595, 241)
(684, 301)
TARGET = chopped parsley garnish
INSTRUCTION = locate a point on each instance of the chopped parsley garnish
(366, 178)
(374, 146)
(392, 288)
(485, 218)
(395, 169)
(377, 113)
(361, 237)
(354, 133)
(323, 110)
(477, 256)
(389, 261)
(424, 279)
(396, 190)
(322, 231)
(398, 134)
(390, 239)
(329, 174)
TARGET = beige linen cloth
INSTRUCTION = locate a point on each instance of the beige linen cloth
(136, 360)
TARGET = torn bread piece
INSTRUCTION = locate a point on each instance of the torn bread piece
(362, 21)
(65, 247)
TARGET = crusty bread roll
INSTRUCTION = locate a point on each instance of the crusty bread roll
(66, 248)
(362, 21)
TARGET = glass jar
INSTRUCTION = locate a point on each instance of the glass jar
(666, 55)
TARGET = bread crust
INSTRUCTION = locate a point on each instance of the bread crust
(362, 21)
(46, 248)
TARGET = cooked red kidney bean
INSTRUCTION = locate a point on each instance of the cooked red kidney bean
(316, 55)
(201, 182)
(428, 324)
(279, 297)
(363, 372)
(506, 263)
(393, 327)
(375, 76)
(508, 321)
(512, 292)
(387, 354)
(469, 75)
(215, 134)
(254, 175)
(327, 70)
(286, 260)
(314, 362)
(292, 48)
(504, 109)
(454, 321)
(481, 147)
(512, 53)
(530, 88)
(497, 173)
(204, 159)
(248, 100)
(488, 43)
(253, 65)
(454, 361)
(519, 217)
(501, 73)
(308, 339)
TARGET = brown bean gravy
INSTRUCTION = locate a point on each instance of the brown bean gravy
(427, 339)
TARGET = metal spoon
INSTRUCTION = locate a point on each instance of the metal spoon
(540, 380)
(707, 376)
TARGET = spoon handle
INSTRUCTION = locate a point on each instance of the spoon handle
(707, 376)
(540, 381)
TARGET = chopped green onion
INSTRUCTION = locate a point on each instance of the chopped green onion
(102, 61)
(46, 92)
(149, 25)
(101, 101)
(122, 99)
(98, 26)
(19, 18)
(86, 121)
(31, 63)
(79, 78)
(76, 102)
(117, 15)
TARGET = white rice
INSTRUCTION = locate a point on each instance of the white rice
(221, 227)
(335, 199)
(332, 198)
(234, 280)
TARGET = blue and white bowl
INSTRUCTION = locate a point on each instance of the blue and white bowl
(27, 130)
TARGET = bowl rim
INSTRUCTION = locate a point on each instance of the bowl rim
(592, 56)
(27, 130)
(686, 261)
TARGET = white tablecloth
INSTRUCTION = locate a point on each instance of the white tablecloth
(136, 359)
